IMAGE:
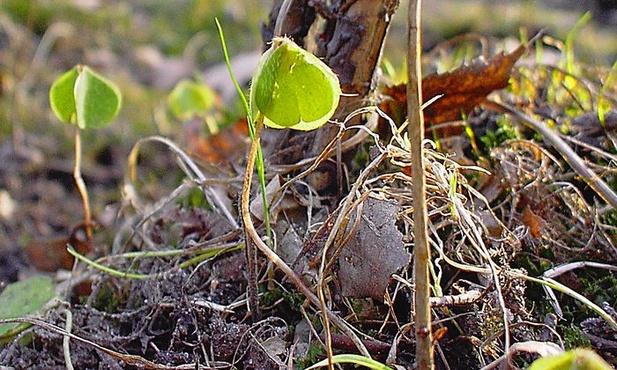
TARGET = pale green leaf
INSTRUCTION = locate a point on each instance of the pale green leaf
(352, 359)
(189, 99)
(577, 359)
(293, 89)
(22, 299)
(62, 98)
(97, 99)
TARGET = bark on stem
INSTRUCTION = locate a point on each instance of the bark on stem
(424, 342)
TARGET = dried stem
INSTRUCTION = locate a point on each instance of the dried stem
(424, 342)
(253, 239)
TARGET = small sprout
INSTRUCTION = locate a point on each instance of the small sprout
(88, 100)
(85, 98)
(189, 99)
(292, 88)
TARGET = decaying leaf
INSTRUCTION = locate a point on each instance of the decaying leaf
(461, 89)
(51, 254)
(374, 253)
(534, 223)
(275, 205)
(219, 149)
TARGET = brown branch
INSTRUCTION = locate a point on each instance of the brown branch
(424, 340)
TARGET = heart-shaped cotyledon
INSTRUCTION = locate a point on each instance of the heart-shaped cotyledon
(292, 88)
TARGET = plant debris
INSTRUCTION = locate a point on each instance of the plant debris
(375, 251)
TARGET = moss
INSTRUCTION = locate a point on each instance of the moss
(572, 336)
(314, 354)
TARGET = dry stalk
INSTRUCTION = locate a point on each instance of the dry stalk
(422, 305)
(253, 236)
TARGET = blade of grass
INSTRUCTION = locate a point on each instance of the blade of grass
(108, 270)
(251, 127)
(352, 359)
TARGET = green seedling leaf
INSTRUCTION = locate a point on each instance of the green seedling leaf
(189, 99)
(21, 299)
(83, 97)
(577, 359)
(352, 359)
(292, 88)
(97, 99)
(62, 96)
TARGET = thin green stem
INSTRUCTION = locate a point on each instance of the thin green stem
(261, 172)
(108, 270)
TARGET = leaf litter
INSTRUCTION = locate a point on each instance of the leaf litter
(487, 222)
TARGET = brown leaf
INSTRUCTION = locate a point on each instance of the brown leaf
(51, 254)
(375, 252)
(462, 89)
(219, 149)
(534, 223)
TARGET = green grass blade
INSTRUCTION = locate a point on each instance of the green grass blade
(261, 172)
(352, 359)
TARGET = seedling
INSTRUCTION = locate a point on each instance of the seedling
(291, 88)
(190, 98)
(83, 98)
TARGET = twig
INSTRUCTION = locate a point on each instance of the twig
(251, 256)
(66, 350)
(562, 269)
(424, 340)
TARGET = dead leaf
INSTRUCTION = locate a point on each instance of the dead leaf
(51, 254)
(275, 206)
(216, 150)
(462, 89)
(534, 223)
(276, 348)
(374, 253)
